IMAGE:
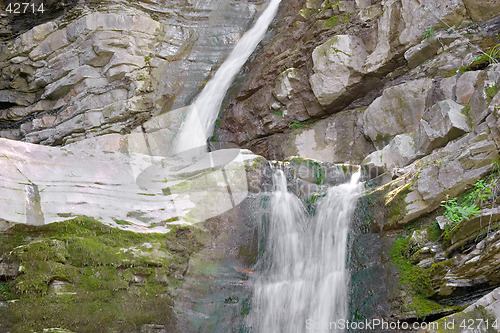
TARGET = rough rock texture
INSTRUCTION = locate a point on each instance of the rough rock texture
(383, 119)
(443, 122)
(337, 139)
(337, 66)
(398, 153)
(380, 32)
(42, 184)
(403, 85)
(106, 68)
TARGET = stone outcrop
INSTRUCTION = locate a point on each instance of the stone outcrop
(106, 68)
(337, 139)
(408, 89)
(338, 66)
(41, 185)
(383, 119)
(443, 122)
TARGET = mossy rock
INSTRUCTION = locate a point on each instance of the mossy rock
(115, 280)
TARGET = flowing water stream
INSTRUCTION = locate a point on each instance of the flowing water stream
(200, 120)
(303, 279)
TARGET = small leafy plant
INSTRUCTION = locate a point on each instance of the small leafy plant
(467, 206)
(428, 34)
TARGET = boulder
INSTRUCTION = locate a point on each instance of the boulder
(442, 123)
(482, 10)
(466, 85)
(338, 65)
(398, 153)
(399, 110)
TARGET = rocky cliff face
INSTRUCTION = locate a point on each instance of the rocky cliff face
(408, 90)
(90, 68)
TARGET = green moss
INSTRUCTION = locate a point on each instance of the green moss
(395, 209)
(491, 91)
(299, 124)
(331, 22)
(416, 280)
(114, 281)
(318, 171)
(122, 222)
(434, 231)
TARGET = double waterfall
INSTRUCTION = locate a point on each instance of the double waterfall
(302, 280)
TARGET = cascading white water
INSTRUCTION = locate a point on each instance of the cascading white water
(303, 283)
(200, 119)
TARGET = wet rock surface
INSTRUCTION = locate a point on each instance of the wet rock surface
(410, 90)
(99, 68)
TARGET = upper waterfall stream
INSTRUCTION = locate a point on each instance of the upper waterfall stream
(303, 279)
(198, 125)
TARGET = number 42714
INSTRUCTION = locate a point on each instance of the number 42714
(24, 7)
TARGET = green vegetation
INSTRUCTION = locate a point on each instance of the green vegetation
(489, 57)
(331, 22)
(311, 203)
(278, 113)
(428, 33)
(468, 204)
(415, 278)
(85, 276)
(299, 124)
(491, 91)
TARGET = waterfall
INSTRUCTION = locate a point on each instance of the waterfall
(200, 120)
(303, 281)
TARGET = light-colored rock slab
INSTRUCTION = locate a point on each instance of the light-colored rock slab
(443, 122)
(398, 153)
(338, 65)
(119, 178)
(399, 110)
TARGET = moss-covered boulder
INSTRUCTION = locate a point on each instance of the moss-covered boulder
(87, 277)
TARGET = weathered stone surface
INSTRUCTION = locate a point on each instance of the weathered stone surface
(466, 85)
(398, 153)
(383, 119)
(429, 47)
(402, 25)
(77, 63)
(128, 179)
(482, 10)
(442, 123)
(337, 139)
(338, 65)
(471, 157)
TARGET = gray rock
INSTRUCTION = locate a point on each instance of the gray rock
(466, 85)
(428, 47)
(482, 10)
(398, 153)
(122, 178)
(75, 63)
(337, 139)
(428, 181)
(442, 123)
(338, 65)
(384, 119)
(403, 24)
